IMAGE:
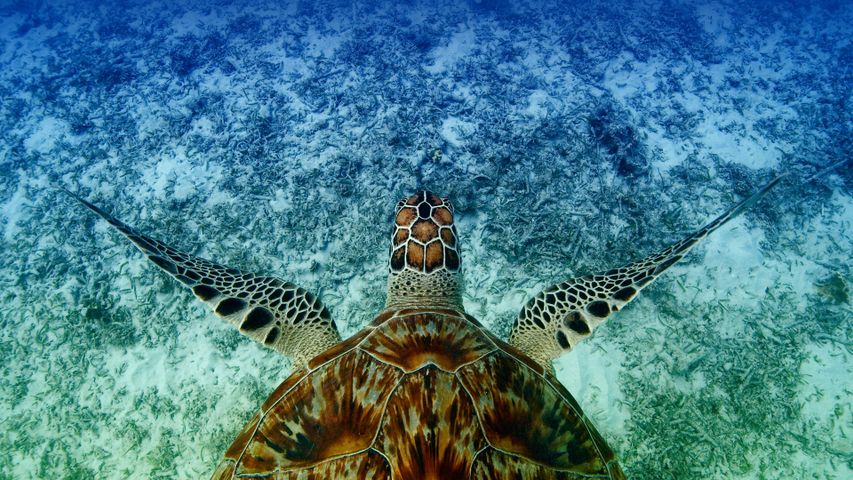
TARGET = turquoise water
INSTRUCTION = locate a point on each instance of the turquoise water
(571, 140)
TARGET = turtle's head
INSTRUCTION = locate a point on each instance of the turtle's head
(424, 261)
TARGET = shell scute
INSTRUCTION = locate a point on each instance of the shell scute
(494, 465)
(225, 470)
(522, 414)
(333, 412)
(381, 318)
(414, 341)
(430, 430)
(407, 217)
(367, 465)
(283, 388)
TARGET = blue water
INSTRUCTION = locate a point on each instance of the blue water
(571, 139)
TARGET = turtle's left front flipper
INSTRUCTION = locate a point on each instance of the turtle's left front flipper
(275, 313)
(562, 315)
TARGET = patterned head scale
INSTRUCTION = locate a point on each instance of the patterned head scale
(424, 239)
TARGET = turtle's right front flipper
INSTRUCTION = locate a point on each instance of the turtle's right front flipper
(275, 313)
(562, 315)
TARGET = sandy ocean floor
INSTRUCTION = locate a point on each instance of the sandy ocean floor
(277, 139)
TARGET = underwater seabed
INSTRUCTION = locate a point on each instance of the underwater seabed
(571, 139)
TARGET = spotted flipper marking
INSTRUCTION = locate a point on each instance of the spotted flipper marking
(562, 315)
(271, 311)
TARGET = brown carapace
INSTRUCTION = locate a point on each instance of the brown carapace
(424, 392)
(420, 394)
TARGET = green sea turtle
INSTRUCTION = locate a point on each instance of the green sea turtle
(423, 391)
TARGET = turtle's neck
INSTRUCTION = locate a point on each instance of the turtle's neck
(410, 289)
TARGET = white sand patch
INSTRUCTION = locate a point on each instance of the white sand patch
(170, 374)
(461, 44)
(281, 201)
(728, 118)
(216, 81)
(478, 274)
(536, 104)
(727, 134)
(217, 197)
(532, 59)
(671, 152)
(13, 211)
(178, 176)
(276, 52)
(202, 126)
(142, 368)
(843, 218)
(733, 267)
(591, 374)
(355, 292)
(829, 229)
(742, 145)
(454, 131)
(320, 45)
(464, 93)
(827, 397)
(148, 123)
(626, 77)
(47, 132)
